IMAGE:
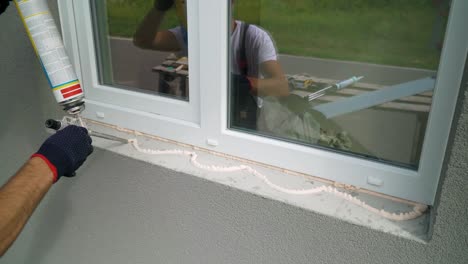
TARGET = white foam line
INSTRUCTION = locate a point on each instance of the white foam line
(417, 211)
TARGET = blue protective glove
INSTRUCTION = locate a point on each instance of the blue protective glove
(66, 150)
(241, 82)
(163, 5)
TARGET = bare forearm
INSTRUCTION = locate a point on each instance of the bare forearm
(149, 36)
(274, 83)
(271, 86)
(19, 197)
(147, 30)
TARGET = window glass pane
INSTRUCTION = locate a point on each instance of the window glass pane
(296, 73)
(142, 45)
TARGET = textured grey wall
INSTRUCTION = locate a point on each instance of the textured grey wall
(120, 210)
(24, 96)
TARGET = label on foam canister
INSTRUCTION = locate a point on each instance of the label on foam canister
(49, 47)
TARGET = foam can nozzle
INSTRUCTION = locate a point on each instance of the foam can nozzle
(53, 124)
(74, 107)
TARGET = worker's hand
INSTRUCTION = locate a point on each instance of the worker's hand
(3, 5)
(163, 5)
(66, 150)
(242, 82)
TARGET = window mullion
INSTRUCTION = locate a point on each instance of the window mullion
(213, 65)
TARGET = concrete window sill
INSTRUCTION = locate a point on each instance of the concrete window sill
(322, 203)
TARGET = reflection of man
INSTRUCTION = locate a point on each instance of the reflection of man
(255, 69)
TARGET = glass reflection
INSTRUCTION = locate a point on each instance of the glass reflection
(324, 47)
(142, 45)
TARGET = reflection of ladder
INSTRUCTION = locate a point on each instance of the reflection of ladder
(410, 101)
(375, 98)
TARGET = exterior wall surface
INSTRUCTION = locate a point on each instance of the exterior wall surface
(120, 210)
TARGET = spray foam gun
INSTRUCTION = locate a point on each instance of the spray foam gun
(334, 87)
(48, 45)
(61, 124)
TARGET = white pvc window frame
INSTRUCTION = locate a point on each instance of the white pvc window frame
(164, 106)
(203, 120)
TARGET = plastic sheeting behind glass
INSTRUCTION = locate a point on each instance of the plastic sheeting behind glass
(350, 76)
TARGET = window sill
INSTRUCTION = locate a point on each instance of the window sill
(322, 203)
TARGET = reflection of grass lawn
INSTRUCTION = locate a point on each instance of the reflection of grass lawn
(397, 34)
(125, 15)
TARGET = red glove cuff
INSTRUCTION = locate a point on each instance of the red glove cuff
(250, 82)
(253, 85)
(49, 164)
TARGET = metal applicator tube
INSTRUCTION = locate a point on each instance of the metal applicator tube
(337, 86)
(58, 125)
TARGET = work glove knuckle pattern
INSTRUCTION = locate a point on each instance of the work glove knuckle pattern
(67, 149)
